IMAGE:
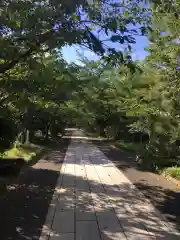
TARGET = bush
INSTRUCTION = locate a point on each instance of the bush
(172, 172)
(8, 133)
(26, 152)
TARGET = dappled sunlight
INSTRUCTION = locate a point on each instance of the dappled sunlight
(134, 219)
(164, 195)
(97, 192)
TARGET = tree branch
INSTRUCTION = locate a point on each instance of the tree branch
(33, 47)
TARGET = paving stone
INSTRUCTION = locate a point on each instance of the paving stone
(84, 206)
(109, 226)
(133, 228)
(86, 195)
(92, 174)
(63, 192)
(66, 203)
(69, 169)
(82, 185)
(61, 236)
(48, 222)
(96, 188)
(84, 215)
(68, 181)
(104, 176)
(59, 181)
(107, 219)
(63, 222)
(87, 230)
(84, 201)
(80, 171)
(101, 202)
(66, 192)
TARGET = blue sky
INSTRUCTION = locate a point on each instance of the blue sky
(70, 53)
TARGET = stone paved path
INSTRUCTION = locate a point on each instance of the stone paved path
(95, 201)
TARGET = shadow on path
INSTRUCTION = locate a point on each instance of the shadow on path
(130, 215)
(164, 195)
(24, 203)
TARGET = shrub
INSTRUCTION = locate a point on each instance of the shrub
(172, 172)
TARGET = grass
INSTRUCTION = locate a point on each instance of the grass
(173, 172)
(27, 152)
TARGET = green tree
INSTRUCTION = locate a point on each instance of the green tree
(29, 27)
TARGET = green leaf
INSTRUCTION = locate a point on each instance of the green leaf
(130, 39)
(117, 38)
(96, 43)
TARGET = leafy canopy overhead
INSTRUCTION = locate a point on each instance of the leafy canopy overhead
(32, 26)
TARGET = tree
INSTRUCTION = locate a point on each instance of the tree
(37, 93)
(29, 27)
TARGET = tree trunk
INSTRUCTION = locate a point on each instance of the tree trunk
(26, 136)
(47, 132)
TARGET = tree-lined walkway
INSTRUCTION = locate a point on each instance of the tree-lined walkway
(95, 200)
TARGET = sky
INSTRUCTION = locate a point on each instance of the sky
(71, 53)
